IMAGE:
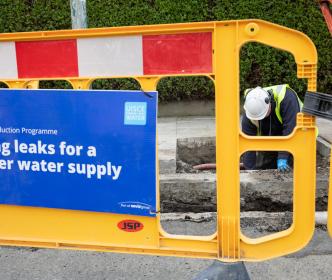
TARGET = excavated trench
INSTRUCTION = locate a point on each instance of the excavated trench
(266, 195)
(193, 190)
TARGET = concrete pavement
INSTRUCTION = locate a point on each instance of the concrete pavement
(43, 264)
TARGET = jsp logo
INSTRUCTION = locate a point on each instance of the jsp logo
(130, 225)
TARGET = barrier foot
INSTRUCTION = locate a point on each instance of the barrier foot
(226, 271)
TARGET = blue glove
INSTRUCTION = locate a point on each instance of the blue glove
(282, 165)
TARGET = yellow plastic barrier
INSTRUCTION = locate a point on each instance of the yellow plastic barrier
(56, 228)
(329, 219)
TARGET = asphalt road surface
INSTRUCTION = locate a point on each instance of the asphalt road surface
(45, 264)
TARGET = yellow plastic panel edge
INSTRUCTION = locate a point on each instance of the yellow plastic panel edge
(55, 228)
(329, 221)
(234, 246)
(302, 145)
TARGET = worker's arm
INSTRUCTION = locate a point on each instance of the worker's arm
(249, 158)
(289, 108)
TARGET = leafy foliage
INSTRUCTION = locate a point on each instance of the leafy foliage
(34, 15)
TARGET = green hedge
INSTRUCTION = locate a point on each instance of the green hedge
(259, 64)
(34, 15)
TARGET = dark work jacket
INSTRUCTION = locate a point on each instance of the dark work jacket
(271, 126)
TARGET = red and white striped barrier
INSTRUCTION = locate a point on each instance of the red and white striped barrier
(107, 56)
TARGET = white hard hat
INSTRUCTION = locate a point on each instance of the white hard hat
(257, 104)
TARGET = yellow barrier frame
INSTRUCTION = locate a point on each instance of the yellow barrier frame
(329, 218)
(56, 228)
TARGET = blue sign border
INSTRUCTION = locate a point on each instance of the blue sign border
(82, 118)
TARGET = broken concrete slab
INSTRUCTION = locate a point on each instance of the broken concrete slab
(196, 150)
(260, 191)
(167, 162)
(268, 190)
(167, 145)
(323, 147)
(325, 129)
(259, 223)
(199, 150)
(187, 192)
(171, 129)
(256, 221)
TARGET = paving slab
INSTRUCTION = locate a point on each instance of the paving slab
(186, 127)
(324, 139)
(166, 129)
(325, 129)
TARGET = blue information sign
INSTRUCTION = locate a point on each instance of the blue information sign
(79, 150)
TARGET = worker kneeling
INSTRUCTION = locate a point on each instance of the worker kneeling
(270, 111)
